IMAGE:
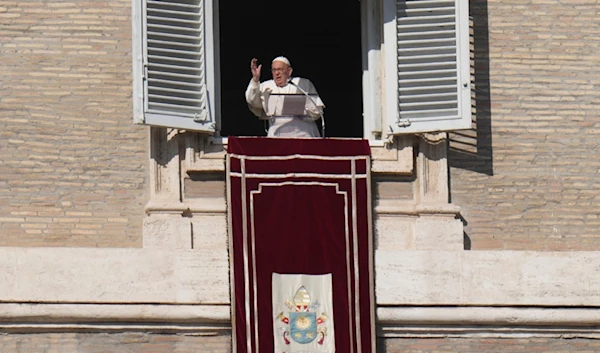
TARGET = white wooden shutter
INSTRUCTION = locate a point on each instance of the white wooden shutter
(175, 92)
(426, 65)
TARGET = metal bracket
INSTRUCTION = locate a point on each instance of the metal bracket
(199, 118)
(403, 122)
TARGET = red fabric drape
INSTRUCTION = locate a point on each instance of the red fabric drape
(300, 206)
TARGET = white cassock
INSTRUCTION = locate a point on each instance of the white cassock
(265, 100)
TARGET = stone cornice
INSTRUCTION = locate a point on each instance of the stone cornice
(201, 276)
(509, 322)
(411, 321)
(192, 319)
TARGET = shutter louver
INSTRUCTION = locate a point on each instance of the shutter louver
(430, 81)
(427, 72)
(175, 69)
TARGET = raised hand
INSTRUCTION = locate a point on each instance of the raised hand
(255, 70)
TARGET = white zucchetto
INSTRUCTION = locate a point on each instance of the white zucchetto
(283, 59)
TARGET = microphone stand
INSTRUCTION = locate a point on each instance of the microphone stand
(313, 102)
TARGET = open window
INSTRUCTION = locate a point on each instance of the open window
(382, 67)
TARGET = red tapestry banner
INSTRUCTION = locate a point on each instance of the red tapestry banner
(300, 242)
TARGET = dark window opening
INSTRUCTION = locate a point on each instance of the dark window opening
(322, 39)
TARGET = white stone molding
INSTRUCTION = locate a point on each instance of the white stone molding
(487, 278)
(433, 221)
(169, 231)
(114, 276)
(393, 158)
(191, 319)
(201, 276)
(206, 154)
(164, 165)
(432, 169)
(409, 208)
(497, 322)
(392, 322)
(418, 293)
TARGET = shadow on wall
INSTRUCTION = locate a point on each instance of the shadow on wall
(472, 149)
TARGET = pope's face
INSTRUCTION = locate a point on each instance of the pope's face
(281, 73)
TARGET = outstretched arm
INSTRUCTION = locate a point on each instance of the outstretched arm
(253, 91)
(255, 70)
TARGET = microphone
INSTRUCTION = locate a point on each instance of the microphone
(313, 102)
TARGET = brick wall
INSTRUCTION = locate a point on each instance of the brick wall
(527, 176)
(73, 167)
(109, 343)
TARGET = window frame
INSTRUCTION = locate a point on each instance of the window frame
(379, 67)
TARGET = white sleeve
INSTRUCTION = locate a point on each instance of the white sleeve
(313, 111)
(254, 101)
(253, 94)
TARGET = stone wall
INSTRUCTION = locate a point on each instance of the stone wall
(480, 345)
(172, 343)
(131, 342)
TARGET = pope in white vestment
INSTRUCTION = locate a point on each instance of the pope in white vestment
(266, 99)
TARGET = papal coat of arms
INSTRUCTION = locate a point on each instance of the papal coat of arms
(301, 323)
